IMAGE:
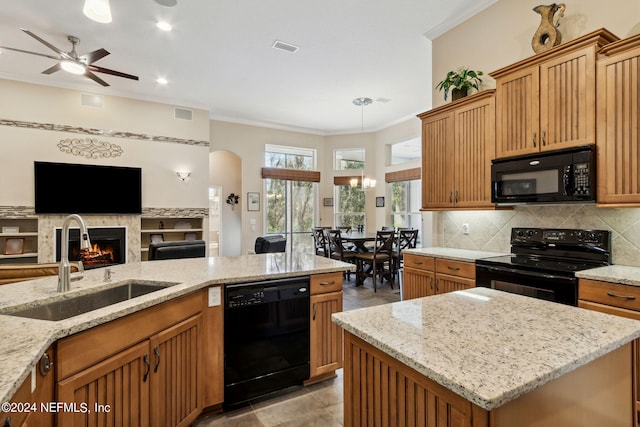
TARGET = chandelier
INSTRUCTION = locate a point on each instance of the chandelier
(366, 183)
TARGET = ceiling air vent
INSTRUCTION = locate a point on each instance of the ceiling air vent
(287, 47)
(182, 113)
(88, 100)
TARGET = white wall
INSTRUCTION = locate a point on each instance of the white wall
(225, 170)
(248, 143)
(159, 160)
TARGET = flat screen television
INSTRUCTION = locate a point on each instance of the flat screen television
(65, 188)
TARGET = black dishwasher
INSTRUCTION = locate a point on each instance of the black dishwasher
(266, 337)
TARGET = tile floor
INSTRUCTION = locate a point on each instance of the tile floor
(316, 405)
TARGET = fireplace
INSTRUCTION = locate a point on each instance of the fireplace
(108, 246)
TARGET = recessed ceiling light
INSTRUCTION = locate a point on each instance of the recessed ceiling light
(164, 26)
(162, 81)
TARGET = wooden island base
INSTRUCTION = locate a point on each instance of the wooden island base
(379, 390)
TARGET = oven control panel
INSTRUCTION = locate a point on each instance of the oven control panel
(564, 236)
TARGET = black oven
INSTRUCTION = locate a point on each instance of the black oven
(561, 176)
(551, 287)
(543, 262)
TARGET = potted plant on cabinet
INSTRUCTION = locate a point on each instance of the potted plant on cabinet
(460, 81)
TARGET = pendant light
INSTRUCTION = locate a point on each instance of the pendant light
(365, 182)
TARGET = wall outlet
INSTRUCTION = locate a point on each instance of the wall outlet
(465, 228)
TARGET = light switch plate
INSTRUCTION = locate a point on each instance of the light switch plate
(215, 296)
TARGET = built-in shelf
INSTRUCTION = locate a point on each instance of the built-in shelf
(168, 233)
(22, 238)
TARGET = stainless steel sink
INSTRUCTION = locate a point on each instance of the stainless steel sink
(74, 306)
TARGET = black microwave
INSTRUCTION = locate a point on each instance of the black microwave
(562, 176)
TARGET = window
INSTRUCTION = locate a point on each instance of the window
(290, 204)
(349, 209)
(406, 151)
(405, 205)
(349, 158)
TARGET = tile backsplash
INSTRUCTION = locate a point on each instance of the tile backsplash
(491, 230)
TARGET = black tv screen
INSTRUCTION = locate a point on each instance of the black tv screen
(64, 188)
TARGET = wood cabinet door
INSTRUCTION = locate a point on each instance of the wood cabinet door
(325, 336)
(518, 112)
(446, 283)
(568, 100)
(176, 387)
(618, 128)
(417, 283)
(437, 161)
(121, 382)
(474, 149)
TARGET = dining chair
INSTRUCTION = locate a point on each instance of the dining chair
(376, 260)
(338, 251)
(407, 238)
(320, 241)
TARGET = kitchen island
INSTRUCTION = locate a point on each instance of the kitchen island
(186, 283)
(481, 357)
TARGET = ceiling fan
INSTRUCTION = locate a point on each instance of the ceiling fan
(74, 63)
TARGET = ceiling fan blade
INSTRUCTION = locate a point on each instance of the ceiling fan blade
(52, 69)
(95, 78)
(112, 72)
(92, 57)
(47, 44)
(29, 52)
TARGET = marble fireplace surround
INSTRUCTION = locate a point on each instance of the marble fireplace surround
(47, 225)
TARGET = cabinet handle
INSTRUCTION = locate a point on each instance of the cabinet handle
(44, 364)
(437, 280)
(418, 262)
(544, 137)
(147, 367)
(534, 139)
(7, 422)
(455, 199)
(315, 306)
(156, 351)
(333, 282)
(627, 297)
(453, 268)
(431, 283)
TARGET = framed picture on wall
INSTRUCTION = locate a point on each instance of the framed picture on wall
(14, 246)
(253, 201)
(327, 201)
(379, 202)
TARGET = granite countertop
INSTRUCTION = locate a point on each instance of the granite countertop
(26, 339)
(452, 253)
(488, 346)
(624, 274)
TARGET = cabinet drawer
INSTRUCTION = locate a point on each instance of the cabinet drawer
(456, 268)
(328, 282)
(613, 294)
(419, 262)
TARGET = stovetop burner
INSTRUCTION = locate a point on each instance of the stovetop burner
(560, 251)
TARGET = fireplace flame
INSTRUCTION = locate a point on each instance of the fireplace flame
(98, 254)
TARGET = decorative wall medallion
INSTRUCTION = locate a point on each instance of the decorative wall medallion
(90, 148)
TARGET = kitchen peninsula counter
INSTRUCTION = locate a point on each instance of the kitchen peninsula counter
(26, 339)
(488, 347)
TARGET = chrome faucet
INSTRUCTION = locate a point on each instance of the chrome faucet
(64, 269)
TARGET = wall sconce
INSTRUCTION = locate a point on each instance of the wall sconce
(233, 200)
(183, 176)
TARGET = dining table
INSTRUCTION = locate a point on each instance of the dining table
(359, 239)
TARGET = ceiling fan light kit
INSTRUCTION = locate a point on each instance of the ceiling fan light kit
(72, 62)
(97, 10)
